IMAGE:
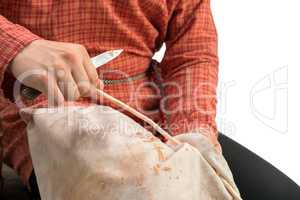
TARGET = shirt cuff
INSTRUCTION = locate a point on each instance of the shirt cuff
(13, 38)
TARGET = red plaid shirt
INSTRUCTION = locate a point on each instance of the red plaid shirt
(140, 27)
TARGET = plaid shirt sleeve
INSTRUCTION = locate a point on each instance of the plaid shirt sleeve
(190, 70)
(13, 38)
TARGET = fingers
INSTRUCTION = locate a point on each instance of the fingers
(54, 93)
(81, 76)
(71, 75)
(66, 70)
(51, 88)
(89, 67)
(91, 70)
(85, 74)
(82, 80)
(93, 75)
(67, 85)
(45, 82)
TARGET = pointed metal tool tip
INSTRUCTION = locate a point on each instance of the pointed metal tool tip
(106, 57)
(118, 51)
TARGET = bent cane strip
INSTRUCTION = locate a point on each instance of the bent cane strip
(166, 135)
(140, 116)
(230, 189)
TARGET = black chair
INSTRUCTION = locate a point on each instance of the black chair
(256, 178)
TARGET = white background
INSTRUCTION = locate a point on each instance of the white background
(259, 100)
(259, 89)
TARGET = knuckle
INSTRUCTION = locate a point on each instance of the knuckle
(61, 73)
(69, 56)
(84, 89)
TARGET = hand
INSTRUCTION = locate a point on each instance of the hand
(63, 71)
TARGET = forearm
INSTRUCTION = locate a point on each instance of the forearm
(190, 71)
(189, 103)
(13, 38)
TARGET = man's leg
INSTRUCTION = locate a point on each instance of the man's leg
(256, 178)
